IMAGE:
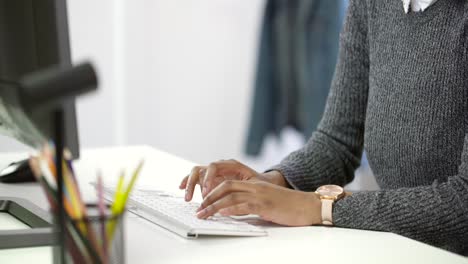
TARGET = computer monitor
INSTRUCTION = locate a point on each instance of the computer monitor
(33, 36)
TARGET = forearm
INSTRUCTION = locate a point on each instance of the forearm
(321, 161)
(274, 177)
(436, 214)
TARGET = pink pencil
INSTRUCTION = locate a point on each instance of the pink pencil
(102, 213)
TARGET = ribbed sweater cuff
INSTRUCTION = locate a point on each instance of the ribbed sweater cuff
(307, 174)
(432, 214)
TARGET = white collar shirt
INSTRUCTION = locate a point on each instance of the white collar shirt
(417, 5)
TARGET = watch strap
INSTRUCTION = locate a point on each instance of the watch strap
(327, 206)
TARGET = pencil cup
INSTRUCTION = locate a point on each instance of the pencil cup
(96, 238)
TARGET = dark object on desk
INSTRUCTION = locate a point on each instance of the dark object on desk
(45, 91)
(17, 172)
(41, 232)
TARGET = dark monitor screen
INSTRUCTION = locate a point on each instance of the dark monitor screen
(34, 36)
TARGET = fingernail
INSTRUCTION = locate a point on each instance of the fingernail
(201, 213)
(199, 209)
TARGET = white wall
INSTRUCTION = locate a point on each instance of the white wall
(175, 74)
(91, 36)
(193, 61)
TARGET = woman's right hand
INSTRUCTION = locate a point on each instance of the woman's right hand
(208, 177)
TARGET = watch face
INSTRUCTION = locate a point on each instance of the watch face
(330, 191)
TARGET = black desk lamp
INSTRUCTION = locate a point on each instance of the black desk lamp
(45, 91)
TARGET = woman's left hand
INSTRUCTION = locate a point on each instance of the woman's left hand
(271, 202)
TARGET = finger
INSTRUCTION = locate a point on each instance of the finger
(220, 168)
(210, 175)
(217, 181)
(184, 181)
(191, 183)
(183, 184)
(226, 188)
(238, 209)
(226, 202)
(201, 177)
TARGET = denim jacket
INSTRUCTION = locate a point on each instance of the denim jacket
(296, 61)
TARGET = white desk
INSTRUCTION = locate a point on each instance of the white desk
(148, 243)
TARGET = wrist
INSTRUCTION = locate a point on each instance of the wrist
(328, 196)
(274, 177)
(315, 205)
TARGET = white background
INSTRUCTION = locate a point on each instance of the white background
(175, 74)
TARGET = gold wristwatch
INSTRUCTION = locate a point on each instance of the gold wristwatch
(328, 195)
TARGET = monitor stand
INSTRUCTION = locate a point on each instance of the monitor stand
(41, 232)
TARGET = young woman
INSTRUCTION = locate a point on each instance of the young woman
(400, 91)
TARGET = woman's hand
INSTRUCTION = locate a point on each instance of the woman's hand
(208, 177)
(271, 202)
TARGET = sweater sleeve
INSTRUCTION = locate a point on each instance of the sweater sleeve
(334, 151)
(436, 214)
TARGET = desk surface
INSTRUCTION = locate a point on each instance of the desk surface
(148, 243)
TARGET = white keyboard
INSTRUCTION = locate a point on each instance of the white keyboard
(174, 214)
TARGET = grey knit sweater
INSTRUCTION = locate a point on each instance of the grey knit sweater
(400, 91)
